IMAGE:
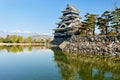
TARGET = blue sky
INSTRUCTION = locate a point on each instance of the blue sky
(41, 15)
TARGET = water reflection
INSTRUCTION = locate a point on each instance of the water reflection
(38, 65)
(70, 66)
(16, 49)
(86, 67)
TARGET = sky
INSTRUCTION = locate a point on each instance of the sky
(41, 16)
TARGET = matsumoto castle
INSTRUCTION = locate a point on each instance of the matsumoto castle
(70, 23)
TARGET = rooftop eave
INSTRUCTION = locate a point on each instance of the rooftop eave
(57, 29)
(66, 11)
(58, 23)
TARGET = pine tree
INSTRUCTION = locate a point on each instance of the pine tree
(107, 18)
(90, 23)
(116, 19)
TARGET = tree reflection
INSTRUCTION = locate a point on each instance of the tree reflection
(87, 67)
(13, 49)
(30, 48)
(16, 49)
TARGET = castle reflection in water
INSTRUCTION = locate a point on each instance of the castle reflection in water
(87, 67)
(73, 66)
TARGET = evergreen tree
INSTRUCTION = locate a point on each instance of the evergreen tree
(90, 23)
(107, 17)
(116, 19)
(101, 25)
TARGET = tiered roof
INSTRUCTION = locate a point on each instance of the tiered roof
(70, 21)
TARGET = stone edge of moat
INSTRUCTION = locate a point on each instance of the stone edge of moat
(102, 45)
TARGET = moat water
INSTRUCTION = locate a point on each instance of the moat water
(41, 63)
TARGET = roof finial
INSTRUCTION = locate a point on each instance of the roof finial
(68, 5)
(71, 7)
(116, 4)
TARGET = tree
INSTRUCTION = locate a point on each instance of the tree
(7, 39)
(90, 23)
(106, 17)
(102, 23)
(84, 29)
(29, 39)
(20, 39)
(14, 38)
(116, 19)
(1, 39)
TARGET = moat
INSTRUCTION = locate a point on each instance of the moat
(41, 63)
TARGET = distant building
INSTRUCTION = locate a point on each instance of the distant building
(70, 23)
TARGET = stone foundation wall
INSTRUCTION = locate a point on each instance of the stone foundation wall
(59, 40)
(103, 45)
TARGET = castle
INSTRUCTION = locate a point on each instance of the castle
(69, 25)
